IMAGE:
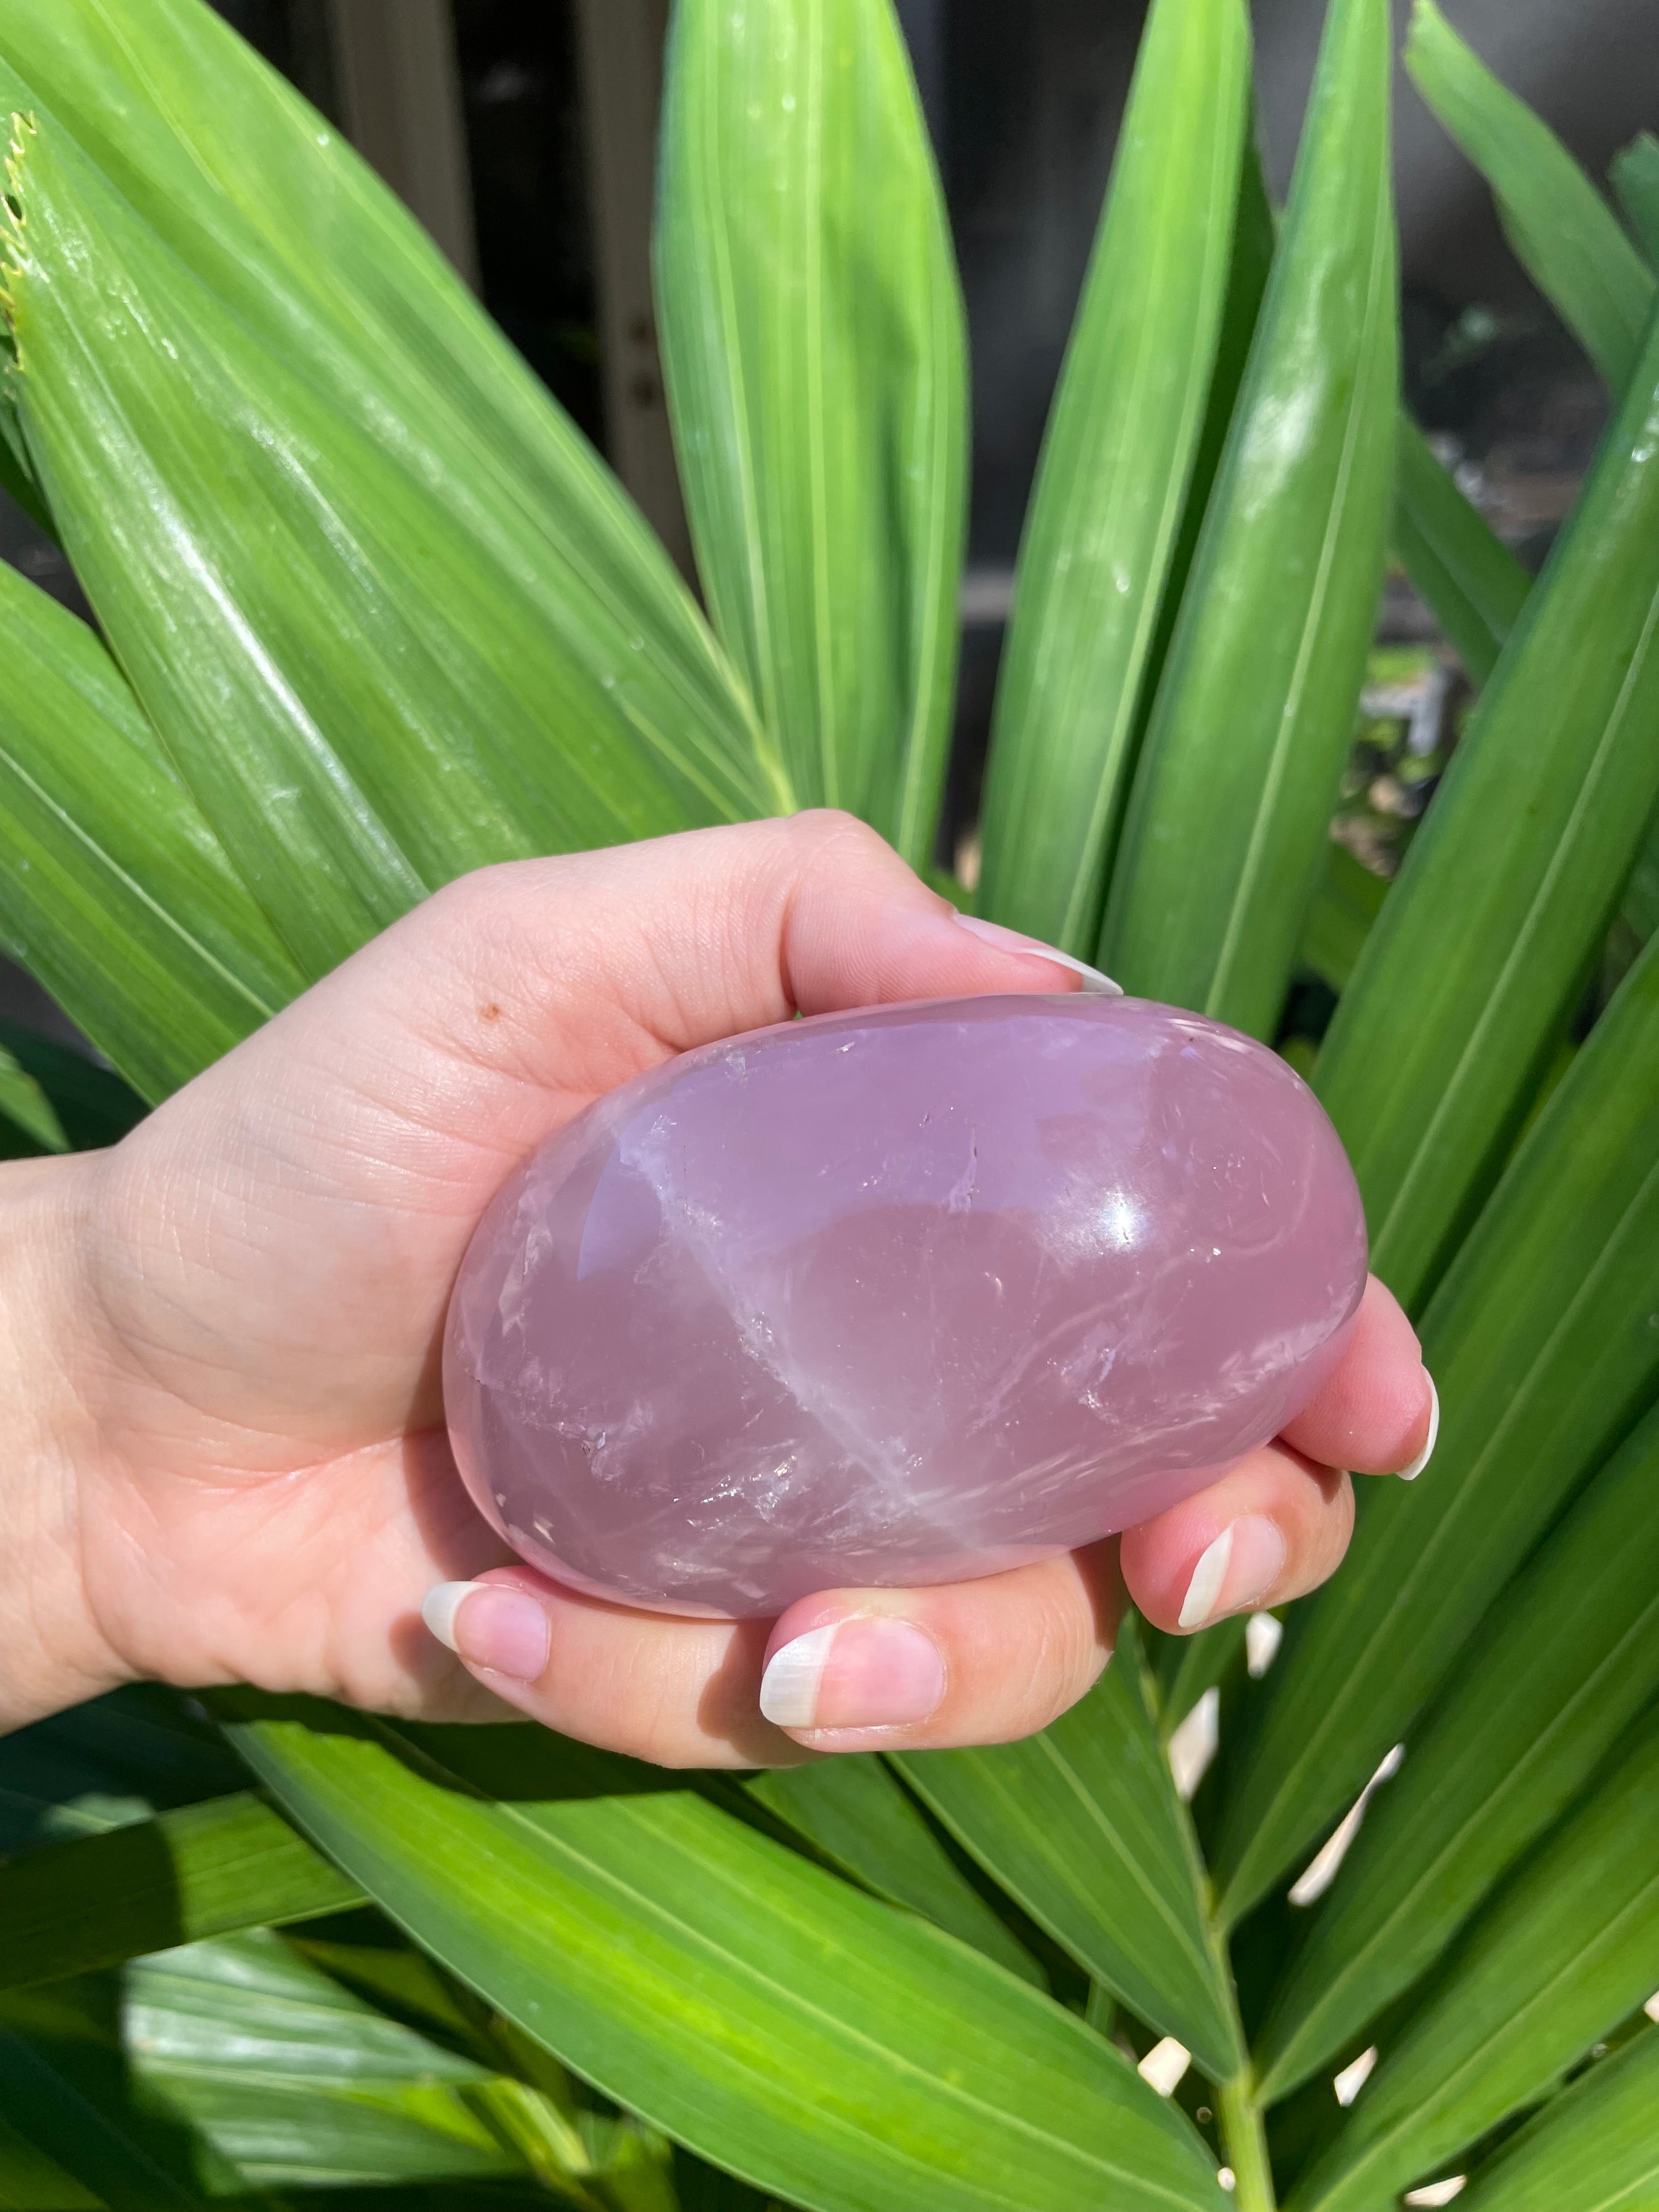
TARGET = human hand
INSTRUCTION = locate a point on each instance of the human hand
(229, 1461)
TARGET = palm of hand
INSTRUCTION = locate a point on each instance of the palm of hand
(272, 1254)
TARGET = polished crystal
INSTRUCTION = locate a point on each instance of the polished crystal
(897, 1296)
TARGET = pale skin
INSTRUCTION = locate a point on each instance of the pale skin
(219, 1345)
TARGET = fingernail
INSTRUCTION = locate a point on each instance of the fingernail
(502, 1631)
(1011, 940)
(1410, 1474)
(871, 1672)
(1239, 1569)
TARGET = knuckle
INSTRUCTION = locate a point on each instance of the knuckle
(826, 832)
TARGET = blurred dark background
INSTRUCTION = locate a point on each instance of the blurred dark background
(520, 131)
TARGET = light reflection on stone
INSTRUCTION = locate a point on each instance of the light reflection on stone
(900, 1296)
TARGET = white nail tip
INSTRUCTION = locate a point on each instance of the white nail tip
(1031, 948)
(439, 1606)
(1095, 985)
(1410, 1474)
(789, 1688)
(1203, 1591)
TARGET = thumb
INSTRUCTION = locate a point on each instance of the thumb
(544, 983)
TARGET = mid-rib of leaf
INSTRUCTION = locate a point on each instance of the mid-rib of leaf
(1552, 1679)
(1426, 1068)
(270, 207)
(361, 701)
(857, 1812)
(113, 891)
(1082, 1827)
(784, 2024)
(1565, 1951)
(1254, 712)
(816, 366)
(1116, 465)
(1593, 2146)
(1540, 1341)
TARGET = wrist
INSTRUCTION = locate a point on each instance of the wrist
(54, 1653)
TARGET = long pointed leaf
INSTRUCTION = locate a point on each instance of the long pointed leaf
(1635, 174)
(1253, 714)
(113, 891)
(268, 575)
(775, 2019)
(31, 2181)
(1561, 228)
(122, 1758)
(65, 2085)
(813, 342)
(1081, 1825)
(203, 1871)
(1568, 1661)
(1345, 905)
(1540, 1341)
(28, 1122)
(1116, 464)
(293, 2080)
(269, 207)
(1519, 864)
(1565, 1952)
(860, 1816)
(1474, 586)
(1595, 2147)
(91, 1106)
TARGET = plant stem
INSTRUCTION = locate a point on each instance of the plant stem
(1245, 2140)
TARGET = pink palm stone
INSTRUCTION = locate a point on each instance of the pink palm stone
(897, 1296)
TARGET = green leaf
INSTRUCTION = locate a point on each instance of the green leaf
(25, 1107)
(1519, 864)
(259, 563)
(1562, 1667)
(1595, 2147)
(1565, 1951)
(205, 1869)
(121, 1758)
(292, 2079)
(1111, 489)
(775, 2019)
(66, 2086)
(268, 205)
(1346, 903)
(1635, 174)
(91, 1106)
(17, 477)
(1254, 711)
(30, 2181)
(1563, 231)
(1189, 1665)
(1540, 1341)
(1082, 1827)
(815, 367)
(113, 891)
(857, 1812)
(1473, 586)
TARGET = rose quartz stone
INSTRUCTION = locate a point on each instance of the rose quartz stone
(897, 1296)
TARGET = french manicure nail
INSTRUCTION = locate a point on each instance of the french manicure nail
(1011, 940)
(503, 1631)
(1238, 1570)
(1410, 1474)
(867, 1671)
